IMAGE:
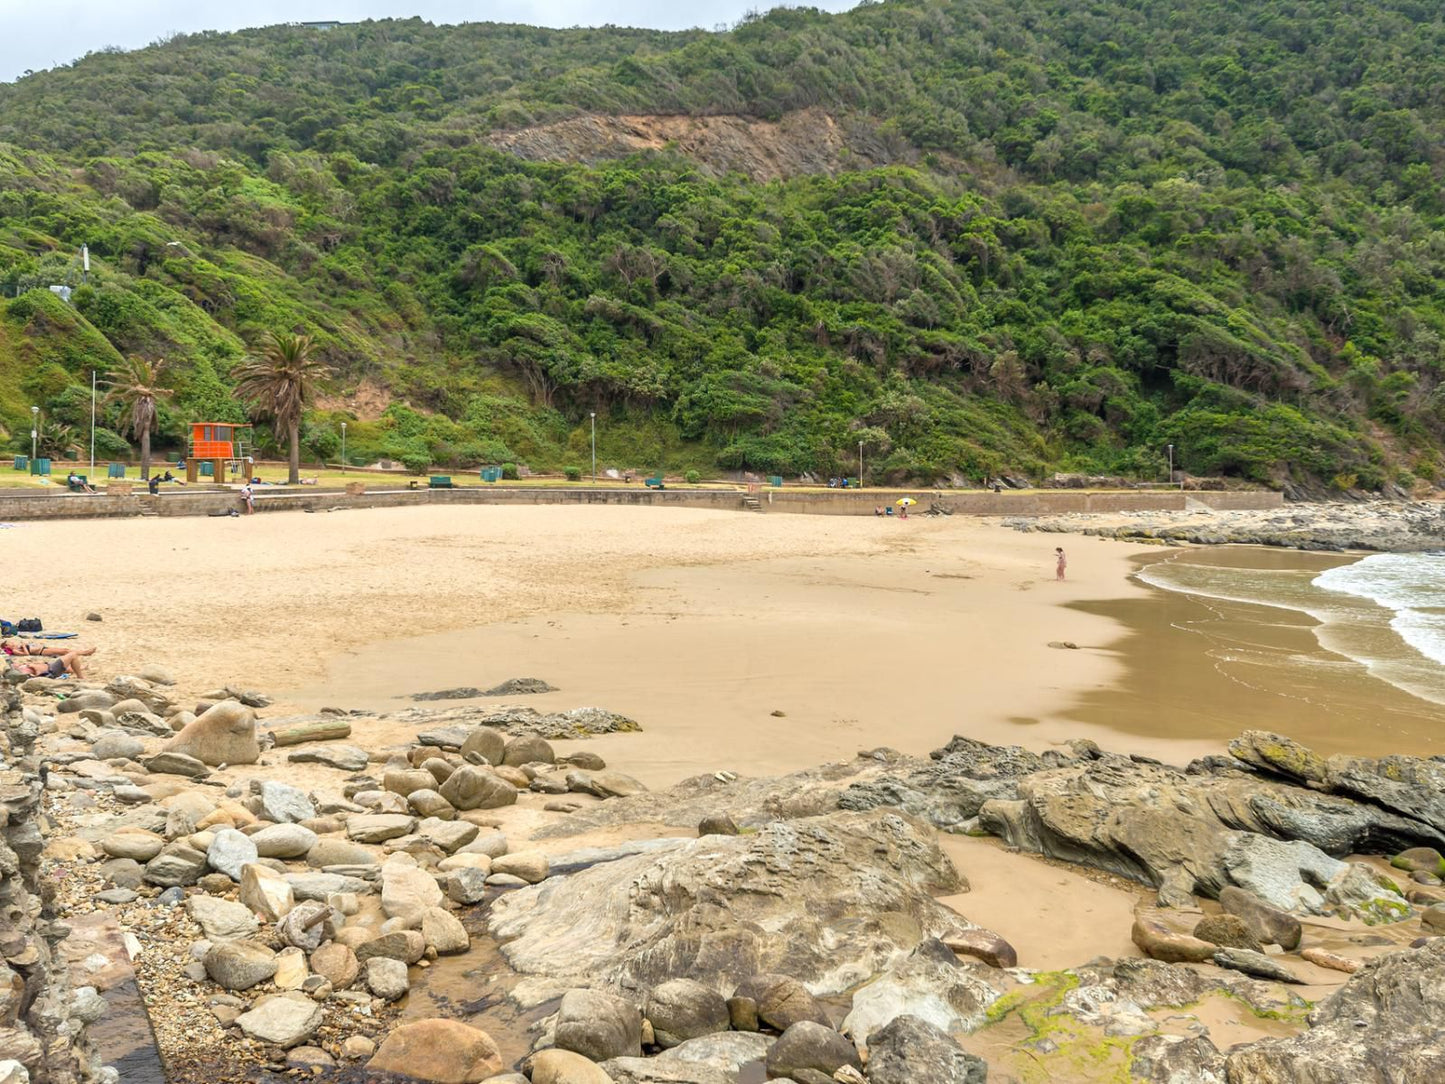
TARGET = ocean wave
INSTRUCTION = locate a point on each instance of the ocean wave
(1408, 585)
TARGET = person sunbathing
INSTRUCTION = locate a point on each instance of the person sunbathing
(56, 667)
(33, 647)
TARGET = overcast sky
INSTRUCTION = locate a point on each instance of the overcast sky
(38, 34)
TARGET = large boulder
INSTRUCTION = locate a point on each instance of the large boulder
(224, 733)
(266, 892)
(283, 841)
(283, 1020)
(487, 742)
(683, 1009)
(378, 827)
(470, 787)
(407, 889)
(598, 1025)
(1385, 1025)
(565, 1067)
(830, 900)
(724, 1058)
(929, 984)
(336, 964)
(810, 1046)
(1269, 924)
(221, 920)
(438, 1051)
(285, 804)
(177, 865)
(528, 749)
(239, 965)
(779, 1001)
(908, 1050)
(230, 851)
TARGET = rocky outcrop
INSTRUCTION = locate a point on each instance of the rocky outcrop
(1384, 1026)
(829, 900)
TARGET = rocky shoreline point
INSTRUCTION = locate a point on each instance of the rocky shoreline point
(290, 902)
(1383, 526)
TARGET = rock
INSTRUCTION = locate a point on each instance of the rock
(223, 734)
(13, 1072)
(156, 675)
(283, 803)
(283, 841)
(386, 978)
(528, 749)
(449, 836)
(908, 1050)
(807, 1045)
(723, 1058)
(530, 866)
(222, 920)
(230, 851)
(1158, 940)
(1278, 754)
(132, 843)
(357, 1046)
(440, 1051)
(1413, 860)
(467, 885)
(1256, 964)
(470, 787)
(405, 780)
(743, 1014)
(565, 1067)
(291, 970)
(239, 965)
(344, 758)
(486, 742)
(308, 924)
(1320, 958)
(1227, 930)
(406, 889)
(823, 901)
(683, 1009)
(123, 872)
(982, 945)
(337, 964)
(780, 1001)
(283, 1020)
(310, 1059)
(430, 803)
(1269, 924)
(320, 886)
(1385, 1025)
(408, 946)
(266, 892)
(378, 827)
(339, 852)
(116, 745)
(172, 763)
(1176, 1059)
(443, 932)
(598, 1025)
(929, 984)
(176, 865)
(717, 824)
(604, 784)
(492, 844)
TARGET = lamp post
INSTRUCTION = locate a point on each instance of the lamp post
(343, 447)
(860, 464)
(1171, 464)
(92, 422)
(34, 432)
(593, 416)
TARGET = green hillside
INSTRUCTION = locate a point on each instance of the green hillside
(1055, 236)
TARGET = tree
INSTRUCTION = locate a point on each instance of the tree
(279, 382)
(138, 390)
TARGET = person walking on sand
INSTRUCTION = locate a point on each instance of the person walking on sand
(1063, 563)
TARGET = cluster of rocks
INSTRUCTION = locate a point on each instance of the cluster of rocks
(42, 1017)
(1386, 526)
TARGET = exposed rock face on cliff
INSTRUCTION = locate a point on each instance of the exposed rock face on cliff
(802, 142)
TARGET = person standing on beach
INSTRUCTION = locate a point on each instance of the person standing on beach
(1063, 563)
(247, 498)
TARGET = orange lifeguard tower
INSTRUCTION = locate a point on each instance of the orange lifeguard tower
(217, 443)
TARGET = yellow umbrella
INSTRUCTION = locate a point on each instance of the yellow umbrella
(905, 501)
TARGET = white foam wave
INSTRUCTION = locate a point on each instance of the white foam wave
(1409, 585)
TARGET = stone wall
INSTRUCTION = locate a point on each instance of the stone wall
(38, 1026)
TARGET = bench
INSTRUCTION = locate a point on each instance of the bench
(655, 482)
(79, 484)
(440, 481)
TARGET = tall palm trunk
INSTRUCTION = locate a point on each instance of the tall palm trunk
(145, 454)
(293, 432)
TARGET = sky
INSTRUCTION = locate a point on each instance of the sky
(39, 34)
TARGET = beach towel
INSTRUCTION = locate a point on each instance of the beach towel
(48, 635)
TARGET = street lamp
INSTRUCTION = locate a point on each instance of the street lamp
(343, 447)
(860, 464)
(1171, 464)
(593, 416)
(34, 432)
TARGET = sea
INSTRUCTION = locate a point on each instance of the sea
(1384, 613)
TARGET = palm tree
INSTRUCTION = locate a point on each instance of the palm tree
(279, 381)
(137, 388)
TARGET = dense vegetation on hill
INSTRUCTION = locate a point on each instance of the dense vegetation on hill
(1126, 223)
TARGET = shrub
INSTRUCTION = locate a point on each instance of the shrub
(509, 470)
(692, 478)
(574, 474)
(416, 462)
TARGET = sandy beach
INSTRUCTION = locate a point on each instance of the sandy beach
(861, 632)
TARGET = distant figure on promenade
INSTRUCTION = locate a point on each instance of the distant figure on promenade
(248, 498)
(1063, 563)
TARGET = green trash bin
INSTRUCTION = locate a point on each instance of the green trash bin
(22, 462)
(115, 470)
(208, 470)
(491, 474)
(775, 480)
(40, 466)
